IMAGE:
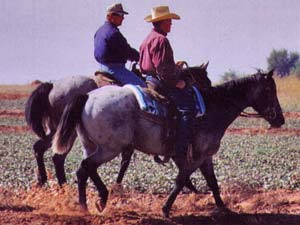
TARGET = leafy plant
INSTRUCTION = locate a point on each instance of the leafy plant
(283, 61)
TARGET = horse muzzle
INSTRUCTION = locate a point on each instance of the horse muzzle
(275, 118)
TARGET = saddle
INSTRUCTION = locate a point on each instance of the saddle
(161, 107)
(162, 112)
(103, 78)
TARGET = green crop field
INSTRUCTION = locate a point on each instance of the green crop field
(257, 161)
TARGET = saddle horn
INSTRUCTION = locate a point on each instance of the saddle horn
(181, 64)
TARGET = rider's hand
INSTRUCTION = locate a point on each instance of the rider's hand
(180, 84)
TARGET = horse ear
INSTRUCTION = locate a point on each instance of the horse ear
(270, 73)
(204, 66)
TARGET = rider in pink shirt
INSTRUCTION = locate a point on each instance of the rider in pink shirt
(157, 61)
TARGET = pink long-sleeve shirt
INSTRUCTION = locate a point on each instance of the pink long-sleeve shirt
(156, 58)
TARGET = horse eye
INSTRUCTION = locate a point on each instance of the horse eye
(268, 91)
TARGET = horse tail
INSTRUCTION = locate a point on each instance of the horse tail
(71, 116)
(37, 108)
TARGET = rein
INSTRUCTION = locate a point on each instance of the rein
(250, 115)
(243, 113)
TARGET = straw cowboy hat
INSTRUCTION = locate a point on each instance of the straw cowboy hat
(116, 8)
(161, 13)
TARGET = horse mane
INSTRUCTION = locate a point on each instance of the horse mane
(240, 82)
(244, 82)
(231, 89)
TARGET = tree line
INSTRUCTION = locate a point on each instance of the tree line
(283, 62)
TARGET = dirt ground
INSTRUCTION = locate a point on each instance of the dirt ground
(53, 205)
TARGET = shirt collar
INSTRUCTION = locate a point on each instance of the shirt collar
(159, 31)
(111, 24)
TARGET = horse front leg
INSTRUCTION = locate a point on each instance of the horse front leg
(190, 186)
(126, 157)
(207, 170)
(59, 162)
(179, 184)
(40, 147)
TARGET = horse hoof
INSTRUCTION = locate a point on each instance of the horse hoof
(100, 205)
(62, 183)
(41, 182)
(166, 213)
(116, 190)
(38, 184)
(83, 208)
(221, 211)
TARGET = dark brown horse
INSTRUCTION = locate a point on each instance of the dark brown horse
(107, 122)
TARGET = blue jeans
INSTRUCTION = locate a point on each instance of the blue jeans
(121, 74)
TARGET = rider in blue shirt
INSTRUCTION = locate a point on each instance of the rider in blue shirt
(111, 49)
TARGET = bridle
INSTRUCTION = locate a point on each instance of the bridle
(250, 115)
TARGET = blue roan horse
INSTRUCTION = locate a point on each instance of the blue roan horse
(107, 121)
(46, 103)
(43, 110)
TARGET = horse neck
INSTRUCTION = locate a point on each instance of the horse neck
(227, 102)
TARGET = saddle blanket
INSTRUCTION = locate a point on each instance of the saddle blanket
(152, 106)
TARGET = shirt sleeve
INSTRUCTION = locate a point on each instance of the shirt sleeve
(121, 46)
(163, 61)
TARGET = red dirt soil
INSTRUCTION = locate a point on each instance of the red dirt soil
(12, 113)
(55, 205)
(251, 131)
(236, 131)
(13, 96)
(20, 113)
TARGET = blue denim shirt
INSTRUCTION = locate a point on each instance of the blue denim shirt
(110, 46)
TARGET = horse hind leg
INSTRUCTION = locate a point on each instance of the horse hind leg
(40, 147)
(126, 158)
(82, 176)
(88, 168)
(59, 161)
(101, 188)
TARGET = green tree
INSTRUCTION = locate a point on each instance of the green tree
(229, 75)
(296, 70)
(283, 61)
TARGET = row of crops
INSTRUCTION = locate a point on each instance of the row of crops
(256, 161)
